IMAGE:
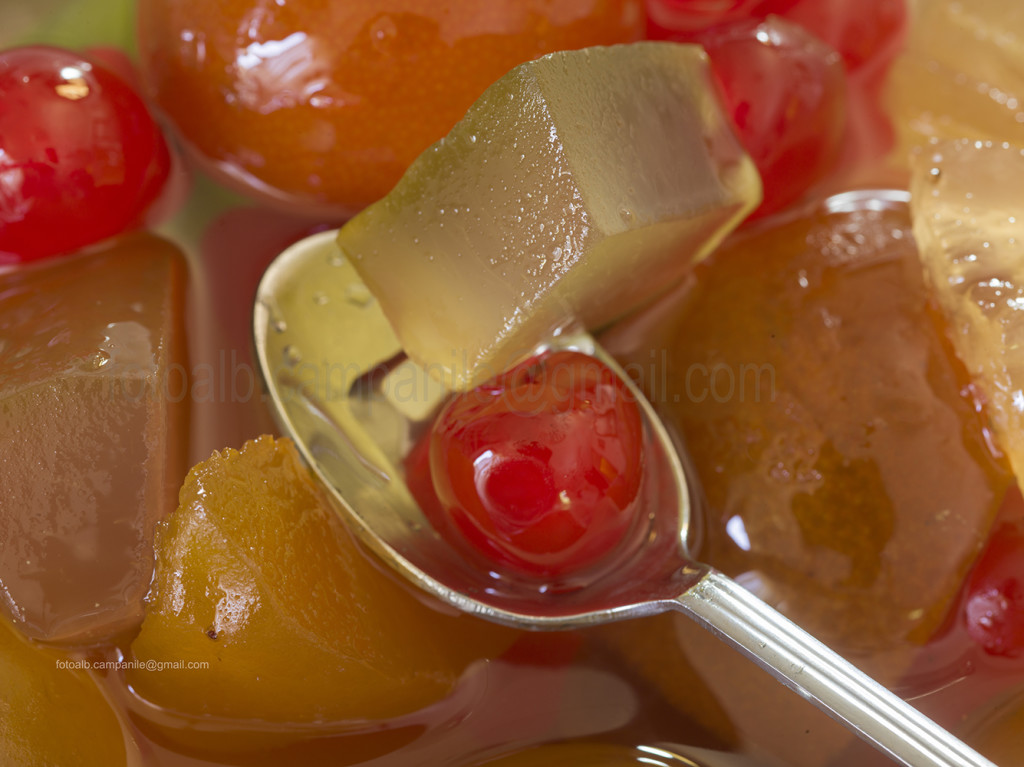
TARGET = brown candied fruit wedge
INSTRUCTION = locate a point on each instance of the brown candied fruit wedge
(51, 712)
(259, 584)
(92, 433)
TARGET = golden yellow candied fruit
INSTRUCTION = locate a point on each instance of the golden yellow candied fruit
(282, 618)
(51, 712)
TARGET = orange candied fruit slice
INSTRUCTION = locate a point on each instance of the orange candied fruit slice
(261, 589)
(93, 432)
(51, 712)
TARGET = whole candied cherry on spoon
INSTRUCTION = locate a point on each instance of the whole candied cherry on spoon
(539, 469)
(81, 159)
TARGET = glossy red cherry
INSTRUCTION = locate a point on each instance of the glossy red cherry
(81, 159)
(860, 30)
(994, 607)
(540, 470)
(678, 18)
(786, 93)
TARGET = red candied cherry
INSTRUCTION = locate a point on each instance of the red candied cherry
(994, 607)
(786, 93)
(860, 30)
(678, 19)
(540, 469)
(863, 31)
(81, 159)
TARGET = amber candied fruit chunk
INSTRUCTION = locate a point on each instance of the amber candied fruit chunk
(92, 433)
(51, 712)
(261, 588)
(846, 472)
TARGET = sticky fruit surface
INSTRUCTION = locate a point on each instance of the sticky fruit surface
(540, 469)
(256, 576)
(93, 431)
(575, 189)
(325, 104)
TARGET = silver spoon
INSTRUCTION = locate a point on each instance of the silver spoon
(341, 390)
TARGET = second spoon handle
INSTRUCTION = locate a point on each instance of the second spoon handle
(835, 685)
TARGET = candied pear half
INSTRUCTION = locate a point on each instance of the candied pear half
(576, 188)
(93, 431)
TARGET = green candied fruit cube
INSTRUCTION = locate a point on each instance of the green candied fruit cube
(577, 187)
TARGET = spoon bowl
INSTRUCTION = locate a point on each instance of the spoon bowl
(340, 387)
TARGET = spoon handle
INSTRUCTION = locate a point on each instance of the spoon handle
(836, 686)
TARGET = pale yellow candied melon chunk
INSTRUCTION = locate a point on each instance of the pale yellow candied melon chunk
(968, 210)
(576, 188)
(961, 74)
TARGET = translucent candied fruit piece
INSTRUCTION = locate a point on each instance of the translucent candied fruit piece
(969, 223)
(51, 712)
(578, 186)
(92, 433)
(257, 577)
(961, 75)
